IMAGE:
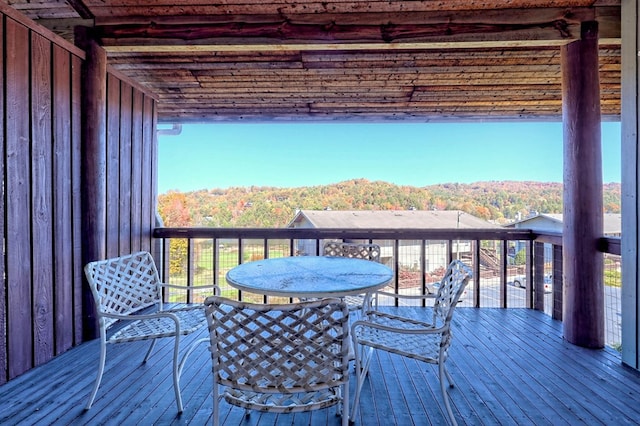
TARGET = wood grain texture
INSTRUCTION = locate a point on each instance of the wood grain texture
(18, 201)
(76, 197)
(46, 159)
(62, 191)
(147, 207)
(3, 286)
(348, 60)
(583, 308)
(93, 167)
(114, 109)
(125, 168)
(41, 199)
(135, 215)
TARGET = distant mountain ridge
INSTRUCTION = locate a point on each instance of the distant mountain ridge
(255, 206)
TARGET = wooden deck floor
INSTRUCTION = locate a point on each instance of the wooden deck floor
(511, 367)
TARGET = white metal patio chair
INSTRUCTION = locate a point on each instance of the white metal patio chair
(413, 337)
(126, 289)
(355, 251)
(282, 358)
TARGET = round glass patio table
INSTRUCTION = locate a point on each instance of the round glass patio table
(310, 276)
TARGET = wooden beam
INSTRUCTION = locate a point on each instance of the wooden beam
(551, 26)
(304, 47)
(583, 312)
(248, 33)
(81, 8)
(210, 48)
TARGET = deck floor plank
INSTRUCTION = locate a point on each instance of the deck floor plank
(520, 388)
(510, 366)
(574, 369)
(517, 392)
(563, 403)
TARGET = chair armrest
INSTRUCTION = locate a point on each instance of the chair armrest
(135, 317)
(378, 326)
(215, 288)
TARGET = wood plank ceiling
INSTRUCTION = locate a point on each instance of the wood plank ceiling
(345, 60)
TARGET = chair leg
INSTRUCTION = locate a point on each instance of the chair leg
(359, 380)
(146, 357)
(443, 373)
(363, 360)
(216, 403)
(345, 405)
(189, 350)
(96, 385)
(176, 373)
(449, 378)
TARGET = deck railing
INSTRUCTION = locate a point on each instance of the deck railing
(513, 268)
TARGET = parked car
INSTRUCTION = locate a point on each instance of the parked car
(521, 282)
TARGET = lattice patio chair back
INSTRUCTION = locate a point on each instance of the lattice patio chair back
(281, 358)
(355, 251)
(124, 285)
(352, 250)
(451, 288)
(127, 290)
(426, 340)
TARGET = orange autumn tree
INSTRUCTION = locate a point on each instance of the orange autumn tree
(175, 213)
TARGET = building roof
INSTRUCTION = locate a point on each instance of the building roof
(389, 219)
(612, 222)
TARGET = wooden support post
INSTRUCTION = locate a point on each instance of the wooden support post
(538, 276)
(476, 273)
(528, 302)
(557, 283)
(583, 312)
(94, 136)
(503, 272)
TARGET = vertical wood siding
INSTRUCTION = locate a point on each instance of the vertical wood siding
(62, 187)
(126, 93)
(41, 291)
(18, 200)
(630, 184)
(136, 168)
(3, 285)
(75, 144)
(42, 214)
(146, 176)
(131, 166)
(113, 166)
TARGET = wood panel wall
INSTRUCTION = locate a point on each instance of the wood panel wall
(42, 283)
(630, 184)
(131, 168)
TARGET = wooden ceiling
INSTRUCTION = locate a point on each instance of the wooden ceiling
(345, 60)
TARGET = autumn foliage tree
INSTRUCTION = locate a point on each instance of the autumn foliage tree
(175, 212)
(256, 206)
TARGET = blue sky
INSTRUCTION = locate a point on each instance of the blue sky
(207, 156)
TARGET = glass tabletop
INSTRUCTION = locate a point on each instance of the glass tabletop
(310, 276)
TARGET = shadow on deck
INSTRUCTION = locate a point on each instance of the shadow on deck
(511, 366)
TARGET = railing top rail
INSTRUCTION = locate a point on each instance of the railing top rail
(605, 244)
(548, 237)
(344, 233)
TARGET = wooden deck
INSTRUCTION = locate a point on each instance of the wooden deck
(510, 366)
